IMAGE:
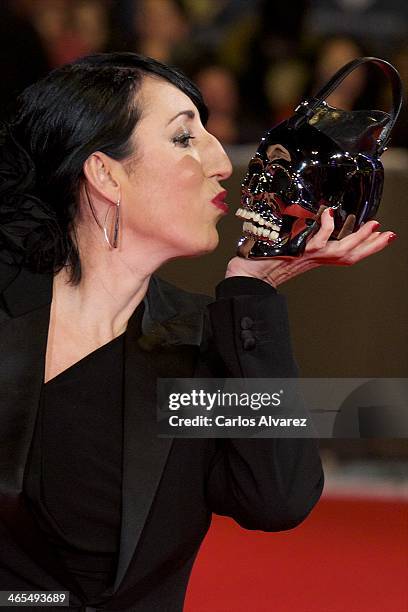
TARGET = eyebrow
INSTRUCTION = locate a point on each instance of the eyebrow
(190, 114)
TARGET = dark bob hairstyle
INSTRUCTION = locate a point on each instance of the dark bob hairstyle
(86, 106)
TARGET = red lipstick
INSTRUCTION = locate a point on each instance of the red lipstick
(219, 201)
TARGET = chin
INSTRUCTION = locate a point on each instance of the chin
(203, 247)
(211, 243)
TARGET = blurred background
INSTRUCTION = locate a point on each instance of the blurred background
(254, 61)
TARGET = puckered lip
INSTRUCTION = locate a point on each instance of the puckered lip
(220, 197)
(219, 201)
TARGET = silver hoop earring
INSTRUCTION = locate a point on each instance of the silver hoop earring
(114, 243)
(114, 226)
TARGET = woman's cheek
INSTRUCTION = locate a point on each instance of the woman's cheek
(189, 173)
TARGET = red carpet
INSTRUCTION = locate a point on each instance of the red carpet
(350, 555)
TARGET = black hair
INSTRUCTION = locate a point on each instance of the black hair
(85, 106)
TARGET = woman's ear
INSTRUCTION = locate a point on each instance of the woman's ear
(101, 172)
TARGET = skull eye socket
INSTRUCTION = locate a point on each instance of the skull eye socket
(278, 179)
(256, 165)
(253, 175)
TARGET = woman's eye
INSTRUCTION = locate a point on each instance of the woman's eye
(183, 139)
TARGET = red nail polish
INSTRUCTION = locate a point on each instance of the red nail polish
(376, 226)
(392, 237)
(331, 212)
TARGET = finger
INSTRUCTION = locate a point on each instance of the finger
(319, 240)
(340, 251)
(348, 227)
(245, 248)
(319, 213)
(350, 242)
(314, 228)
(370, 246)
(373, 236)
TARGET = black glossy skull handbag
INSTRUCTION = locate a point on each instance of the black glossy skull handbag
(321, 156)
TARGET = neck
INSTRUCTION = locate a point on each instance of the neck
(113, 283)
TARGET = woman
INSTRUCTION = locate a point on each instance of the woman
(108, 172)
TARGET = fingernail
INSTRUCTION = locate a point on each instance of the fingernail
(376, 226)
(392, 237)
(331, 212)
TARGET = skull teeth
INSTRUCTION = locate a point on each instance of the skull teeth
(244, 213)
(260, 232)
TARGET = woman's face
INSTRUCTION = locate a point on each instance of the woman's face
(176, 172)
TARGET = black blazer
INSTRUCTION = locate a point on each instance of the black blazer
(170, 486)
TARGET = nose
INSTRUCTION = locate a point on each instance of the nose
(217, 163)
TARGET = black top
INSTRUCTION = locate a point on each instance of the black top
(77, 499)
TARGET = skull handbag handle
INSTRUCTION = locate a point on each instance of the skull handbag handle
(321, 156)
(309, 107)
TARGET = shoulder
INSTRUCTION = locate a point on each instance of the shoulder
(234, 287)
(167, 300)
(173, 315)
(22, 291)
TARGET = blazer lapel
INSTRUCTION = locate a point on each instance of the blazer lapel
(144, 454)
(168, 348)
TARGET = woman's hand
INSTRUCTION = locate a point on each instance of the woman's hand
(319, 251)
